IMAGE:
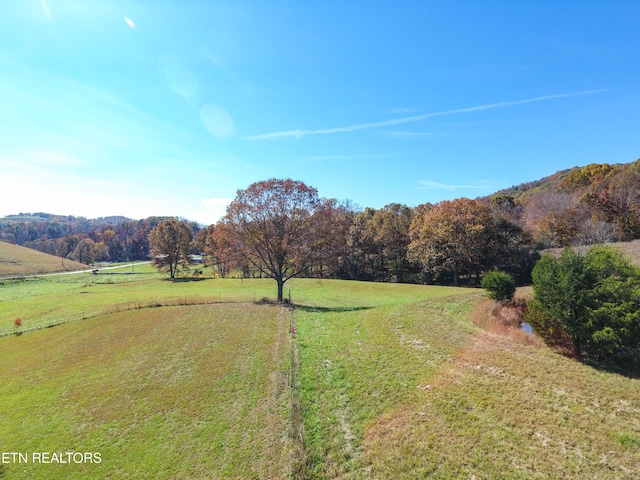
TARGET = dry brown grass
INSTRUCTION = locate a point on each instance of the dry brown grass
(16, 261)
(503, 410)
(631, 250)
(504, 319)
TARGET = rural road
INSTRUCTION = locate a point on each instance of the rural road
(75, 271)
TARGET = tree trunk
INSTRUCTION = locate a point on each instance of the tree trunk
(455, 276)
(400, 270)
(280, 288)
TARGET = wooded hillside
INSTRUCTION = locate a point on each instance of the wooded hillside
(582, 206)
(439, 243)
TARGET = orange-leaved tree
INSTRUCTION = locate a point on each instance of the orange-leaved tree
(273, 221)
(222, 249)
(453, 236)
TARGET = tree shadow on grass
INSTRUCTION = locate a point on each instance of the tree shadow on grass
(308, 308)
(629, 371)
(185, 279)
(119, 273)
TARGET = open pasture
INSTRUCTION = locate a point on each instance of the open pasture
(48, 301)
(175, 392)
(415, 391)
(376, 381)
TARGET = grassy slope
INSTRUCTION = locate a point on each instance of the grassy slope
(630, 249)
(19, 261)
(176, 392)
(411, 389)
(499, 410)
(393, 382)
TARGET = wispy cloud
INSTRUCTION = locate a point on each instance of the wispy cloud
(415, 118)
(430, 185)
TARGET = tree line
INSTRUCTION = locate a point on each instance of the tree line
(584, 205)
(115, 239)
(282, 229)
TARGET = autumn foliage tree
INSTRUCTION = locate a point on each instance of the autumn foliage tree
(555, 217)
(364, 252)
(621, 203)
(377, 243)
(453, 236)
(223, 249)
(390, 227)
(170, 243)
(465, 237)
(332, 219)
(85, 251)
(273, 221)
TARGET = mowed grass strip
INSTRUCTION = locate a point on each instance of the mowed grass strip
(414, 390)
(174, 392)
(357, 365)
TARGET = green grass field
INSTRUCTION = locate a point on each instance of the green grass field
(176, 392)
(192, 379)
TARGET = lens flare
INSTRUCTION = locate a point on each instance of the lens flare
(129, 22)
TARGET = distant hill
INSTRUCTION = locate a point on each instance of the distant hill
(20, 261)
(529, 189)
(597, 203)
(565, 181)
(114, 238)
(50, 217)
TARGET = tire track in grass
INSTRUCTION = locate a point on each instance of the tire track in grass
(296, 432)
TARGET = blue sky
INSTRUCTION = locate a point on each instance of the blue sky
(163, 107)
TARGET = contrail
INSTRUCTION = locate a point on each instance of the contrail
(415, 118)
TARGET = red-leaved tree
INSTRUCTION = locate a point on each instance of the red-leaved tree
(273, 222)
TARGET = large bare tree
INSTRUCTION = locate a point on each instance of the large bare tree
(274, 223)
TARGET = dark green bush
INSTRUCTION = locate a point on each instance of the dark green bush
(596, 299)
(549, 330)
(500, 286)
